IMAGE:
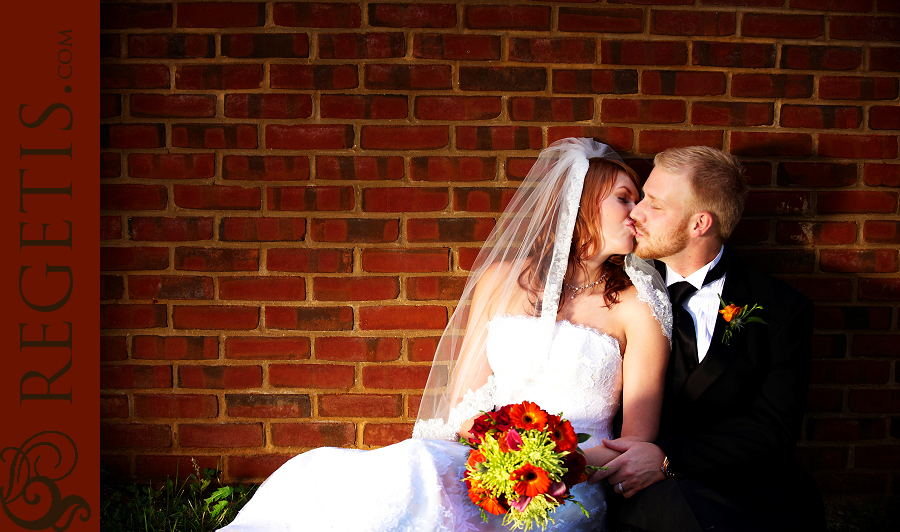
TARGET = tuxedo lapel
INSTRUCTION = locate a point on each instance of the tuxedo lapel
(720, 355)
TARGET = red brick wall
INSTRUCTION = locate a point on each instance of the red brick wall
(292, 193)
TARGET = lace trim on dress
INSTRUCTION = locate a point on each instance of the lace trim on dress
(642, 277)
(605, 336)
(472, 404)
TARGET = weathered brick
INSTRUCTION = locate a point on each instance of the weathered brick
(173, 106)
(881, 232)
(132, 136)
(244, 468)
(175, 406)
(515, 17)
(431, 288)
(845, 429)
(265, 168)
(884, 117)
(266, 348)
(411, 261)
(381, 434)
(657, 140)
(115, 16)
(262, 229)
(112, 348)
(317, 15)
(448, 229)
(821, 116)
(772, 85)
(828, 317)
(221, 14)
(110, 45)
(309, 260)
(232, 435)
(619, 138)
(171, 45)
(873, 29)
(268, 405)
(782, 26)
(456, 47)
(732, 113)
(283, 106)
(110, 165)
(881, 174)
(216, 259)
(857, 88)
(265, 45)
(662, 53)
(482, 199)
(779, 261)
(816, 174)
(502, 79)
(856, 202)
(133, 197)
(393, 377)
(873, 401)
(110, 227)
(145, 316)
(422, 349)
(601, 20)
(359, 168)
(322, 77)
(368, 107)
(112, 287)
(880, 289)
(434, 168)
(642, 111)
(220, 377)
(598, 81)
(133, 258)
(692, 23)
(833, 5)
(858, 146)
(683, 83)
(262, 288)
(135, 376)
(134, 76)
(310, 318)
(309, 137)
(457, 107)
(313, 434)
(360, 405)
(859, 261)
(362, 45)
(800, 57)
(551, 109)
(733, 55)
(134, 435)
(772, 144)
(110, 105)
(215, 317)
(548, 50)
(884, 58)
(320, 376)
(175, 347)
(412, 15)
(850, 371)
(357, 349)
(824, 288)
(818, 233)
(171, 165)
(318, 199)
(214, 197)
(398, 317)
(404, 199)
(362, 289)
(218, 77)
(113, 406)
(498, 138)
(407, 77)
(169, 287)
(243, 136)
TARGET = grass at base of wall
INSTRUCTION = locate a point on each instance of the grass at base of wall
(198, 503)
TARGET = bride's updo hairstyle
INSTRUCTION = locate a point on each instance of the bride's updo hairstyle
(586, 237)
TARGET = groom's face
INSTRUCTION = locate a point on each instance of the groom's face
(661, 218)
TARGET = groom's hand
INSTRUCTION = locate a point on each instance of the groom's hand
(636, 468)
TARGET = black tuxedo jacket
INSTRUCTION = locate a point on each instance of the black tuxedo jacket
(731, 428)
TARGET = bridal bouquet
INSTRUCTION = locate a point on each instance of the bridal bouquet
(522, 463)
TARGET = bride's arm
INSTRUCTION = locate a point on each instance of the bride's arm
(643, 378)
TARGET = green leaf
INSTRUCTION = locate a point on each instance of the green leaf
(583, 437)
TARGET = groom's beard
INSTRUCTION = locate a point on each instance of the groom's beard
(662, 245)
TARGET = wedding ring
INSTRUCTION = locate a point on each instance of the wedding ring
(621, 490)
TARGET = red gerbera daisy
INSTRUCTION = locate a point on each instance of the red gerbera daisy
(528, 416)
(530, 480)
(562, 433)
(482, 498)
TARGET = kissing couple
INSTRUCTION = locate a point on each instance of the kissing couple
(594, 296)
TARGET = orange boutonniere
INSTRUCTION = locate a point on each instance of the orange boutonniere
(736, 317)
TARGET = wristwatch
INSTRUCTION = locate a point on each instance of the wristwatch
(667, 468)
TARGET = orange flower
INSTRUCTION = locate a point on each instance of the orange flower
(730, 312)
(475, 456)
(528, 416)
(562, 433)
(482, 498)
(530, 480)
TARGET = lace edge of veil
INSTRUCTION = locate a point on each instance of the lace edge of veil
(651, 291)
(473, 403)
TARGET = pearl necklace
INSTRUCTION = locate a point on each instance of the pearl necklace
(578, 289)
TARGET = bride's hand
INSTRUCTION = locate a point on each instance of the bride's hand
(465, 429)
(636, 468)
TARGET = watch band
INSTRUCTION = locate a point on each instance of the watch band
(667, 468)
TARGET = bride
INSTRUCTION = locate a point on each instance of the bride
(553, 312)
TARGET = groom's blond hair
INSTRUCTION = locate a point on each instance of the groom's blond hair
(717, 183)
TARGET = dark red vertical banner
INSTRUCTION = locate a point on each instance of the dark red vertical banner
(49, 267)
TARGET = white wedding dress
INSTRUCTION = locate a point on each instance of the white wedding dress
(415, 485)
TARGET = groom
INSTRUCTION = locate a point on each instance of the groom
(736, 385)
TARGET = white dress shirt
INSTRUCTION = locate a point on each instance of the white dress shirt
(702, 305)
